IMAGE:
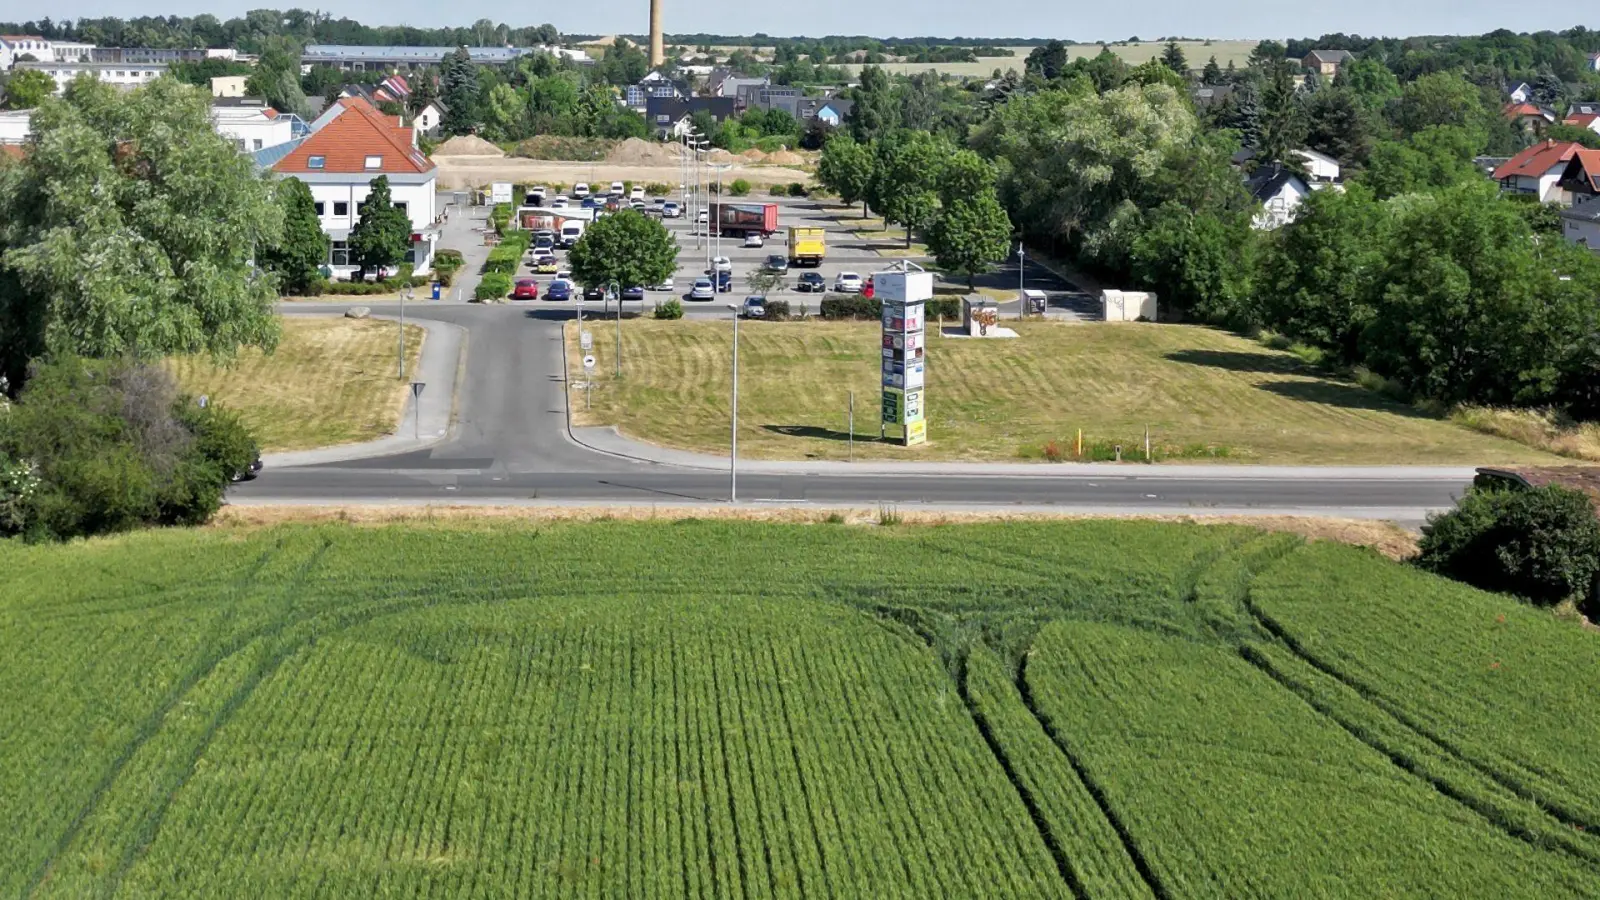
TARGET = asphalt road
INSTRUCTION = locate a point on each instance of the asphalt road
(511, 446)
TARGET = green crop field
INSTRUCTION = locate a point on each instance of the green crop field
(1196, 52)
(721, 709)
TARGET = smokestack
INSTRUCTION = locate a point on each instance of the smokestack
(658, 50)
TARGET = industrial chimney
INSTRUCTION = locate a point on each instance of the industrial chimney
(658, 50)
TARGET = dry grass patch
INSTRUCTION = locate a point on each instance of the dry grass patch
(331, 381)
(1542, 429)
(1004, 399)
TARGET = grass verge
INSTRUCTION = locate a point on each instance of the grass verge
(1542, 429)
(1007, 399)
(332, 381)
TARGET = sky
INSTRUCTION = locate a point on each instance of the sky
(1079, 22)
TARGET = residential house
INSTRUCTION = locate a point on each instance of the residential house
(1280, 193)
(1530, 117)
(1326, 62)
(1581, 178)
(1538, 170)
(253, 128)
(15, 45)
(1581, 224)
(351, 144)
(1583, 108)
(832, 111)
(727, 83)
(1590, 121)
(166, 56)
(355, 58)
(668, 117)
(228, 85)
(1520, 92)
(394, 89)
(654, 84)
(1207, 95)
(1594, 62)
(123, 75)
(15, 126)
(431, 116)
(1321, 170)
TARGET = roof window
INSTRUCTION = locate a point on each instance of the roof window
(316, 162)
(374, 162)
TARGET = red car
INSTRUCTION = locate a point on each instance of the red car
(525, 289)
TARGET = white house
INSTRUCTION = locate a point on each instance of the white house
(834, 111)
(252, 128)
(1538, 170)
(1280, 193)
(228, 85)
(125, 75)
(351, 144)
(1581, 224)
(1520, 92)
(1594, 62)
(15, 125)
(15, 45)
(430, 116)
(1321, 169)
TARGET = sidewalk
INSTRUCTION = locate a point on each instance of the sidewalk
(607, 440)
(440, 365)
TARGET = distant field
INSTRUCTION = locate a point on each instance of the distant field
(714, 709)
(1197, 52)
(1197, 388)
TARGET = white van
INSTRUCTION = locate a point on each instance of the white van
(571, 231)
(580, 190)
(616, 189)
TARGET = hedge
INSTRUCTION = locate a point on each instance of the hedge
(494, 286)
(505, 256)
(857, 306)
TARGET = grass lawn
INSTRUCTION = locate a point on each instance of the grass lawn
(880, 236)
(331, 381)
(1004, 399)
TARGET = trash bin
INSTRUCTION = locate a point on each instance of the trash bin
(436, 290)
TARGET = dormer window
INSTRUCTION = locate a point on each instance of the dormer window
(374, 162)
(316, 162)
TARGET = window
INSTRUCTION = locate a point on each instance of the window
(319, 207)
(316, 162)
(361, 206)
(341, 208)
(339, 254)
(257, 143)
(401, 206)
(374, 162)
(239, 143)
(121, 74)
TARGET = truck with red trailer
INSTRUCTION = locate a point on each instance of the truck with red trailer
(740, 219)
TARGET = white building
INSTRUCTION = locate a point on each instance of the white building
(126, 75)
(252, 128)
(228, 85)
(1321, 169)
(15, 45)
(15, 125)
(1538, 170)
(351, 144)
(1581, 223)
(1280, 193)
(430, 117)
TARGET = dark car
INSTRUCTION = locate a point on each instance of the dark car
(811, 282)
(724, 282)
(635, 294)
(525, 289)
(544, 243)
(250, 471)
(777, 264)
(559, 290)
(594, 295)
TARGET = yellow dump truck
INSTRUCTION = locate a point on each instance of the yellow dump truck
(807, 246)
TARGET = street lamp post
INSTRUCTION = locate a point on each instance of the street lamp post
(405, 292)
(733, 441)
(614, 289)
(1022, 269)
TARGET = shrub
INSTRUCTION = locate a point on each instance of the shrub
(777, 190)
(850, 306)
(948, 307)
(500, 216)
(796, 189)
(739, 188)
(1539, 543)
(494, 286)
(658, 189)
(505, 256)
(671, 309)
(777, 310)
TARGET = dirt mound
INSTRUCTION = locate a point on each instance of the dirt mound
(720, 155)
(753, 155)
(786, 158)
(637, 152)
(467, 145)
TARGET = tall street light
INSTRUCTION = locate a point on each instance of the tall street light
(720, 167)
(733, 442)
(405, 293)
(616, 290)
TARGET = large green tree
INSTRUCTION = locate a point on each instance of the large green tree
(1172, 56)
(1212, 73)
(27, 88)
(382, 233)
(625, 248)
(1197, 262)
(130, 227)
(846, 168)
(458, 88)
(297, 256)
(876, 112)
(1282, 121)
(1435, 157)
(1440, 98)
(970, 234)
(905, 178)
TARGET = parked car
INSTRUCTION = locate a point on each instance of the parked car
(634, 294)
(560, 202)
(563, 274)
(847, 283)
(594, 294)
(637, 193)
(591, 203)
(702, 290)
(754, 308)
(560, 289)
(660, 201)
(580, 190)
(722, 264)
(544, 243)
(811, 283)
(777, 264)
(753, 240)
(545, 265)
(671, 210)
(724, 281)
(702, 217)
(525, 289)
(663, 286)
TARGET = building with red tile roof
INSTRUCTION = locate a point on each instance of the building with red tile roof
(1538, 170)
(1584, 120)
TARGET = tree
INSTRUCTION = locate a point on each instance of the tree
(1576, 134)
(1196, 262)
(503, 109)
(1174, 59)
(875, 112)
(1441, 98)
(1548, 91)
(382, 233)
(626, 249)
(129, 228)
(297, 256)
(277, 81)
(27, 88)
(1539, 543)
(1212, 73)
(1338, 125)
(1282, 121)
(1435, 157)
(906, 178)
(846, 168)
(1371, 81)
(458, 88)
(970, 234)
(1047, 61)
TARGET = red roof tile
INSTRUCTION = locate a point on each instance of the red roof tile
(1538, 160)
(1518, 110)
(12, 151)
(356, 133)
(1582, 120)
(1584, 166)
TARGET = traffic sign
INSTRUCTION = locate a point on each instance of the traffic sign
(586, 341)
(588, 362)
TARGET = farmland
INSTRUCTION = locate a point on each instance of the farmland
(697, 708)
(1196, 52)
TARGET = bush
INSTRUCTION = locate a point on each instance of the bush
(671, 309)
(494, 286)
(506, 256)
(796, 189)
(1539, 543)
(850, 306)
(777, 310)
(500, 216)
(658, 189)
(948, 307)
(777, 190)
(739, 188)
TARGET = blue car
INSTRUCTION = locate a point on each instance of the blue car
(724, 282)
(590, 203)
(559, 290)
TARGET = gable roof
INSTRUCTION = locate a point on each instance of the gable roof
(1586, 211)
(1582, 120)
(1584, 167)
(1519, 110)
(1266, 181)
(344, 142)
(838, 105)
(1538, 160)
(1330, 56)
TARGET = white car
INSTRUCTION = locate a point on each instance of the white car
(663, 286)
(702, 216)
(753, 240)
(616, 189)
(703, 290)
(722, 264)
(671, 210)
(560, 202)
(563, 275)
(580, 190)
(637, 193)
(847, 283)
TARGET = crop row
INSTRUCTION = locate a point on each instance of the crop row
(1230, 785)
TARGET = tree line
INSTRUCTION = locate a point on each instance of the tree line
(257, 29)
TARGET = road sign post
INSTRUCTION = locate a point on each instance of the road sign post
(588, 377)
(416, 408)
